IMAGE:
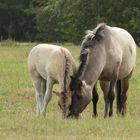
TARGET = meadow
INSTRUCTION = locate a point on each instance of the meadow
(18, 119)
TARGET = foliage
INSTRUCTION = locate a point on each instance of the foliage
(16, 22)
(65, 20)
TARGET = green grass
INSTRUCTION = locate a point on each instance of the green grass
(18, 119)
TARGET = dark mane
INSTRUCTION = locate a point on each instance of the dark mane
(94, 36)
(79, 74)
(90, 39)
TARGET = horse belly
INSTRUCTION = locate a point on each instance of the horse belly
(126, 68)
(105, 76)
(128, 62)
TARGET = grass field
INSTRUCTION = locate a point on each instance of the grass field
(18, 119)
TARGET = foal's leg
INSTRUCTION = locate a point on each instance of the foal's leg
(95, 100)
(125, 86)
(43, 87)
(39, 94)
(48, 95)
(105, 88)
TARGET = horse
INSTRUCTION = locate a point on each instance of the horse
(108, 54)
(50, 64)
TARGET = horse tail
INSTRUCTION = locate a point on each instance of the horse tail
(118, 90)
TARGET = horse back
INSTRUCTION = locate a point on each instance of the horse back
(47, 60)
(120, 52)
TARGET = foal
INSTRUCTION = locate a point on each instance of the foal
(50, 64)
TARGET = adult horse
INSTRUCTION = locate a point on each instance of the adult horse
(50, 64)
(108, 54)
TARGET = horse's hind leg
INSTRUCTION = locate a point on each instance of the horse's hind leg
(118, 90)
(95, 100)
(125, 86)
(48, 95)
(105, 88)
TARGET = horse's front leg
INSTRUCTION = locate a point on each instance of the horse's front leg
(105, 88)
(95, 100)
(37, 80)
(48, 95)
(111, 94)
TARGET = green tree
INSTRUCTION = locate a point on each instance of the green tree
(16, 22)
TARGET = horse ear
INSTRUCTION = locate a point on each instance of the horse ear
(100, 33)
(79, 84)
(56, 93)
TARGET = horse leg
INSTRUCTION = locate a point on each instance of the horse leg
(48, 95)
(39, 95)
(95, 100)
(118, 90)
(111, 94)
(105, 88)
(125, 86)
(43, 87)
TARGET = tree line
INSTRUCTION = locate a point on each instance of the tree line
(65, 20)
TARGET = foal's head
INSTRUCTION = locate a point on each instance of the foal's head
(64, 102)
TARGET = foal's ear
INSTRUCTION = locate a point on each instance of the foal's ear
(56, 93)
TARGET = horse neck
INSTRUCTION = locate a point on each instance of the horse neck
(95, 66)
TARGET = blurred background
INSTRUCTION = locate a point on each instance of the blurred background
(65, 20)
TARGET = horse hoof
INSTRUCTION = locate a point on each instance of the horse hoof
(110, 114)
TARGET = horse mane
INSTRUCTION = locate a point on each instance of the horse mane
(79, 74)
(91, 37)
(94, 36)
(67, 71)
(83, 63)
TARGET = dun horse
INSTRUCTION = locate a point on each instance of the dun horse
(108, 54)
(50, 64)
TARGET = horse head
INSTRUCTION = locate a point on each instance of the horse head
(64, 101)
(81, 97)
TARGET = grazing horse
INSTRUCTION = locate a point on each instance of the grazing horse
(50, 64)
(108, 54)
